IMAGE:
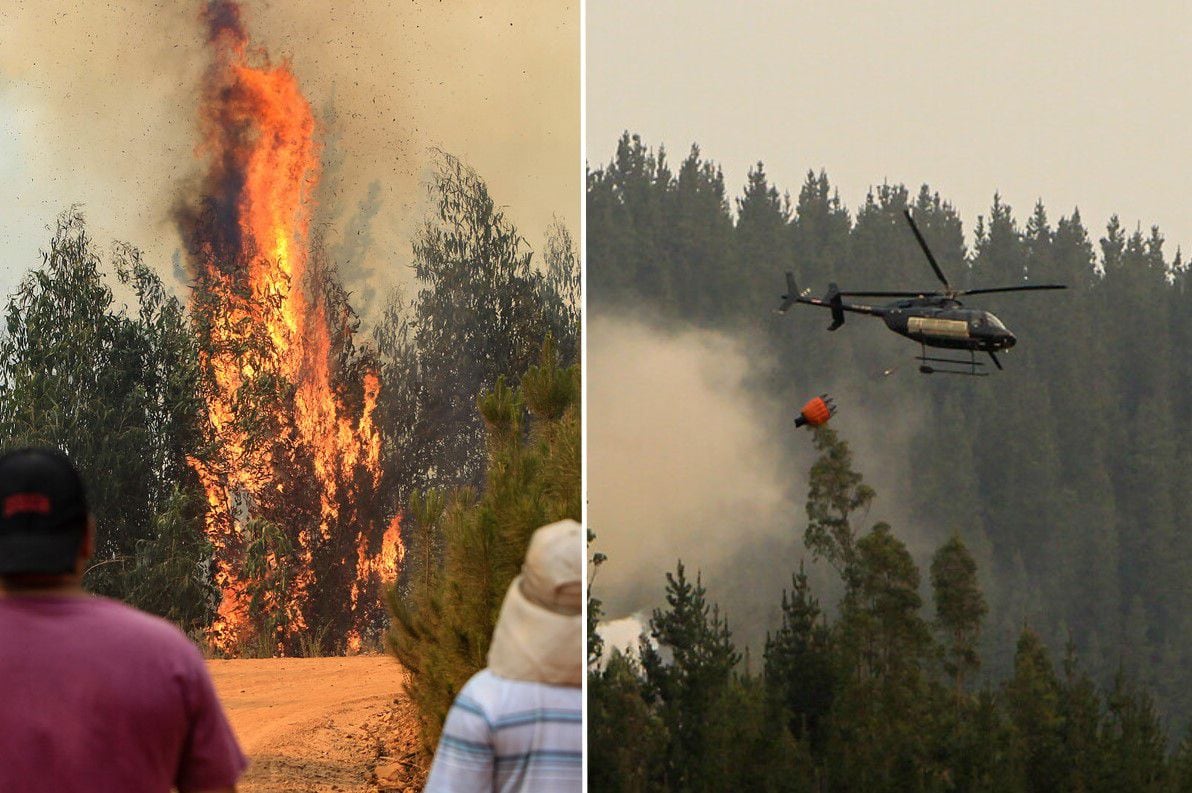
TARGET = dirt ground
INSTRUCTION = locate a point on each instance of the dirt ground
(316, 725)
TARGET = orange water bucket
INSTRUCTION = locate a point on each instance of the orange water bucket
(816, 412)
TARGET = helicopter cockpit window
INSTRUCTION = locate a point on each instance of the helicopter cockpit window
(990, 319)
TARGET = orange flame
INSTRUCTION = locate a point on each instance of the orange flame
(268, 323)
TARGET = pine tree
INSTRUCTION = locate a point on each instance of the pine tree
(1033, 701)
(1080, 720)
(799, 672)
(882, 726)
(625, 211)
(698, 238)
(761, 236)
(616, 710)
(747, 748)
(687, 687)
(1085, 426)
(1133, 750)
(442, 624)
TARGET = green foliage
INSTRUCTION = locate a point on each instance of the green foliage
(169, 573)
(1134, 743)
(853, 703)
(470, 544)
(1181, 767)
(1065, 475)
(836, 491)
(959, 608)
(481, 311)
(595, 609)
(878, 740)
(1080, 715)
(480, 415)
(616, 709)
(424, 515)
(1033, 701)
(799, 665)
(744, 751)
(881, 631)
(687, 663)
(268, 568)
(118, 392)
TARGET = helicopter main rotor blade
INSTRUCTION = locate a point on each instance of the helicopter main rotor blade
(891, 294)
(1024, 288)
(923, 244)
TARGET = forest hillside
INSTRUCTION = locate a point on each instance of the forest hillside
(1066, 475)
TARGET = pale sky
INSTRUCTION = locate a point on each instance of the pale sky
(98, 107)
(1084, 104)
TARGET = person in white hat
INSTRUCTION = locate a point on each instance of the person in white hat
(517, 724)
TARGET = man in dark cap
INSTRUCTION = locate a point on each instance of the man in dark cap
(94, 695)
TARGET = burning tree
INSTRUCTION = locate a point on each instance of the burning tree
(301, 538)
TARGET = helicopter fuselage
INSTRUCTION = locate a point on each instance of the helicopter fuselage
(946, 323)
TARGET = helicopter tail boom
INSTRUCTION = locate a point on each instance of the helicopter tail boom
(832, 300)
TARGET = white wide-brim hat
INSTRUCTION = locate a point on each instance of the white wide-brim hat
(539, 632)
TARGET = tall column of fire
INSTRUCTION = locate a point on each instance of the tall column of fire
(291, 481)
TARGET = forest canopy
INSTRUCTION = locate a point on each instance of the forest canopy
(1065, 476)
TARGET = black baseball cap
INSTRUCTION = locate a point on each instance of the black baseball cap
(43, 512)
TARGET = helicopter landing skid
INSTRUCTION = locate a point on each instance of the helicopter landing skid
(969, 367)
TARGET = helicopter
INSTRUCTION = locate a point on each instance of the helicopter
(934, 319)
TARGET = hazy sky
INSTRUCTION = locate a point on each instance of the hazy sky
(1077, 103)
(97, 107)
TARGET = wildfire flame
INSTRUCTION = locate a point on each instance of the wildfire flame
(292, 423)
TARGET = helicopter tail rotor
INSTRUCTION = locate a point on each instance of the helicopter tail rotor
(791, 296)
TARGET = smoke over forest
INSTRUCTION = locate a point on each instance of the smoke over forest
(678, 453)
(1003, 599)
(691, 458)
(99, 110)
(1061, 474)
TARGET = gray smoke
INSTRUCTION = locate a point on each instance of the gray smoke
(98, 107)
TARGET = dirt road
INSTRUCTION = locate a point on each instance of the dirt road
(313, 724)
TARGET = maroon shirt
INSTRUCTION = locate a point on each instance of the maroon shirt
(96, 696)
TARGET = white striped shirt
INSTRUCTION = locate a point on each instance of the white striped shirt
(510, 736)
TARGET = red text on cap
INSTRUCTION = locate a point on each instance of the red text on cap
(22, 503)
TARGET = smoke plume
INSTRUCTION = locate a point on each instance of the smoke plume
(97, 108)
(693, 455)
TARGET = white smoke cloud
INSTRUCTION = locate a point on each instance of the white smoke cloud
(622, 635)
(686, 462)
(690, 458)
